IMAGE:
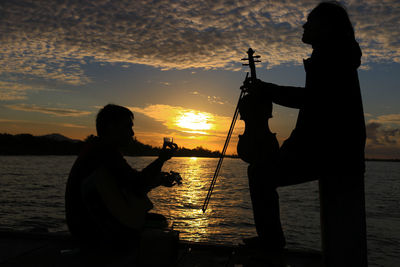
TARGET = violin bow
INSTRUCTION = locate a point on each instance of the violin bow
(251, 64)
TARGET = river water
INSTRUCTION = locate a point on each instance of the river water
(32, 198)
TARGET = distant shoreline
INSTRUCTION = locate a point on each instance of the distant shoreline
(178, 156)
(134, 156)
(59, 145)
(386, 160)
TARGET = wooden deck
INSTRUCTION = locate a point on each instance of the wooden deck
(57, 250)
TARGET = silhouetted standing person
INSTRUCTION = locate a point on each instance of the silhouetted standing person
(327, 143)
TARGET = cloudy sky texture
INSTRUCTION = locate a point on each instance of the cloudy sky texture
(62, 60)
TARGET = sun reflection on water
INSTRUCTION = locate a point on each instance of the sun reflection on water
(192, 197)
(182, 204)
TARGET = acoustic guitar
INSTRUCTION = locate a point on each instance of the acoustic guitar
(127, 208)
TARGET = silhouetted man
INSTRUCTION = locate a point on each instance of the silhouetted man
(101, 180)
(327, 142)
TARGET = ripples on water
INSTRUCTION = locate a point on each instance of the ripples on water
(32, 197)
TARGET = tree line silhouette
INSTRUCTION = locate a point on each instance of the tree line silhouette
(56, 144)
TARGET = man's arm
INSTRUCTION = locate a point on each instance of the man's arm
(152, 175)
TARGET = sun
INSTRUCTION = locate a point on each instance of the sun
(195, 121)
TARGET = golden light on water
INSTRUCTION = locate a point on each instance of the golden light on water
(185, 201)
(197, 122)
(193, 195)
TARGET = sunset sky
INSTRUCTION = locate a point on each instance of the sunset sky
(176, 65)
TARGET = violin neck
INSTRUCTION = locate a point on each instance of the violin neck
(252, 64)
(252, 60)
(252, 69)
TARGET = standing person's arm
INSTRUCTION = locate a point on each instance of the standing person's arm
(288, 96)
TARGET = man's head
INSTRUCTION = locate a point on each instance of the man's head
(328, 23)
(114, 123)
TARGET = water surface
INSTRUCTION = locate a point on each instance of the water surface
(32, 197)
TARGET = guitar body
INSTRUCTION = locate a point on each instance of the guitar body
(128, 209)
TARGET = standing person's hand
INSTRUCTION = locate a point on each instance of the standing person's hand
(256, 86)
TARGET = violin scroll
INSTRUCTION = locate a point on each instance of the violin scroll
(252, 60)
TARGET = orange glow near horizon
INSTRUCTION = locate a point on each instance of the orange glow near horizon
(189, 127)
(197, 122)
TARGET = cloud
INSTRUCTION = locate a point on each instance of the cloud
(39, 128)
(188, 127)
(59, 112)
(14, 90)
(72, 125)
(68, 125)
(389, 118)
(210, 99)
(381, 135)
(384, 130)
(53, 39)
(383, 141)
(379, 36)
(183, 120)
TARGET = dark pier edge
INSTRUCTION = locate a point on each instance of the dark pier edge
(57, 249)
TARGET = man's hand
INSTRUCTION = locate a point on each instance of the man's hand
(168, 151)
(170, 179)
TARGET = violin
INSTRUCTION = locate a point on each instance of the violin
(257, 143)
